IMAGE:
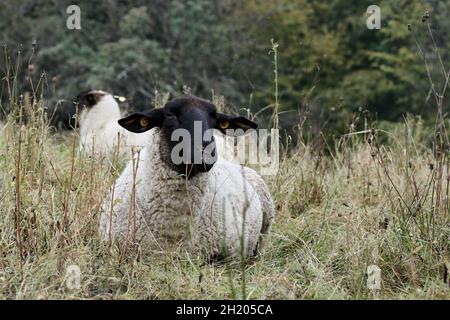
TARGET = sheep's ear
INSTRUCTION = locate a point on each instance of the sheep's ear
(140, 122)
(230, 124)
(91, 99)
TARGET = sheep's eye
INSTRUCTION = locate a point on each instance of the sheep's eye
(224, 124)
(170, 115)
(144, 122)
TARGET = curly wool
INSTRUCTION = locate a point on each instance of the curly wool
(227, 151)
(209, 214)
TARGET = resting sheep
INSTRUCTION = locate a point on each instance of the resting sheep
(206, 205)
(99, 131)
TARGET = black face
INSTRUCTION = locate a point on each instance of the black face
(196, 117)
(68, 112)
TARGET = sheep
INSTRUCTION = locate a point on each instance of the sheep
(99, 130)
(213, 208)
(225, 149)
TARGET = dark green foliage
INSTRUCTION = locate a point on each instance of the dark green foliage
(331, 65)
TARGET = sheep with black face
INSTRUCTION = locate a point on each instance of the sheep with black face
(99, 131)
(205, 205)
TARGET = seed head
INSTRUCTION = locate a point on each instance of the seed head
(425, 16)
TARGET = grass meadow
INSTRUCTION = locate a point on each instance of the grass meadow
(378, 197)
(375, 198)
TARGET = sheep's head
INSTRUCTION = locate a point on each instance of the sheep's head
(87, 100)
(187, 125)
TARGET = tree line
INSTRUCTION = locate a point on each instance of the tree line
(332, 68)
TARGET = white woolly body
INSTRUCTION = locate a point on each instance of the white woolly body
(209, 214)
(226, 150)
(99, 130)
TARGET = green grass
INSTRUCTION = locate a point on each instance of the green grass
(336, 215)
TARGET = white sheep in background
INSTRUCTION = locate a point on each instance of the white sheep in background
(99, 131)
(217, 210)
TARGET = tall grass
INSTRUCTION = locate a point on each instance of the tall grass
(380, 198)
(276, 105)
(370, 203)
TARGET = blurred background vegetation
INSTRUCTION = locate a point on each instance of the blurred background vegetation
(332, 69)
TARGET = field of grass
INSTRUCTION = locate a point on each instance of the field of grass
(378, 198)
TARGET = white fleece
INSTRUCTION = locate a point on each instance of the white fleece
(225, 148)
(208, 214)
(99, 130)
(228, 151)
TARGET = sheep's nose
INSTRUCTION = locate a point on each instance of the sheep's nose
(205, 160)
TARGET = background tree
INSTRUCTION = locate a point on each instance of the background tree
(331, 66)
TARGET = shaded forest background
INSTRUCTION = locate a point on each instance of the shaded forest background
(332, 69)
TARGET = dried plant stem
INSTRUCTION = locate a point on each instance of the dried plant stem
(116, 160)
(18, 200)
(276, 94)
